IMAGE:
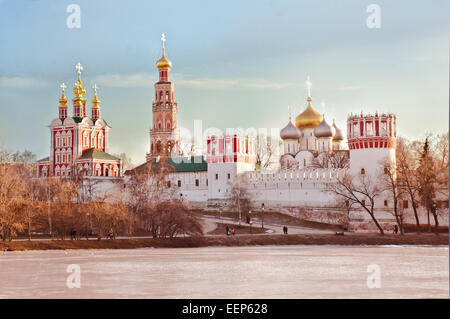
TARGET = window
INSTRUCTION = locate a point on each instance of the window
(363, 202)
(179, 183)
(93, 140)
(86, 139)
(229, 176)
(363, 171)
(100, 140)
(405, 204)
(206, 182)
(346, 203)
(385, 203)
(196, 182)
(168, 184)
(217, 176)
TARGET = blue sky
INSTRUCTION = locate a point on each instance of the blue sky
(235, 64)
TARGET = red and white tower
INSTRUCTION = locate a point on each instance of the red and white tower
(371, 141)
(164, 135)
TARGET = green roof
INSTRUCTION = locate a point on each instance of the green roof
(179, 164)
(77, 119)
(94, 153)
(189, 164)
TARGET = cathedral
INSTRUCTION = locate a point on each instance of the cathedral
(79, 143)
(312, 141)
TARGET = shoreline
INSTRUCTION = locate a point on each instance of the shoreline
(232, 241)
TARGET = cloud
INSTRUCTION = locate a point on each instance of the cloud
(350, 88)
(125, 80)
(21, 82)
(147, 80)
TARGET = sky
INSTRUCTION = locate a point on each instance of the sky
(236, 63)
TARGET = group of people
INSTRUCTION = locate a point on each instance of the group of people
(230, 231)
(285, 230)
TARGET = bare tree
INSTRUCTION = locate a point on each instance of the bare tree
(407, 182)
(13, 200)
(427, 180)
(266, 148)
(389, 184)
(239, 198)
(336, 159)
(126, 161)
(360, 194)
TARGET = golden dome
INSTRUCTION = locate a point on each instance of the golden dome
(310, 118)
(63, 99)
(164, 63)
(95, 101)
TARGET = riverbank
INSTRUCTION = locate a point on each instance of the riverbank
(241, 240)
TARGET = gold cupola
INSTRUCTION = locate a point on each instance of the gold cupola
(63, 99)
(309, 119)
(79, 90)
(163, 63)
(95, 101)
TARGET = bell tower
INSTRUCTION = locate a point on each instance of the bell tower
(164, 134)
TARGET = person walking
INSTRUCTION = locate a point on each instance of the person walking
(227, 229)
(234, 230)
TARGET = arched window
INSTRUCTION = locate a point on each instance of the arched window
(58, 139)
(86, 139)
(167, 95)
(100, 140)
(159, 125)
(93, 140)
(69, 138)
(168, 125)
(160, 95)
(363, 171)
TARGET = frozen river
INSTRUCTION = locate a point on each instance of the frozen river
(230, 272)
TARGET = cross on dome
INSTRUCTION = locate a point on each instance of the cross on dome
(79, 68)
(95, 87)
(308, 86)
(163, 39)
(63, 87)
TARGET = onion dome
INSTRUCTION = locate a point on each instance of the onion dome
(79, 90)
(324, 130)
(63, 99)
(310, 118)
(290, 132)
(339, 136)
(95, 101)
(164, 63)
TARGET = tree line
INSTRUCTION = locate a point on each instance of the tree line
(73, 206)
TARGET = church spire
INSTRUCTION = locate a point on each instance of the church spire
(63, 103)
(79, 102)
(95, 105)
(164, 64)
